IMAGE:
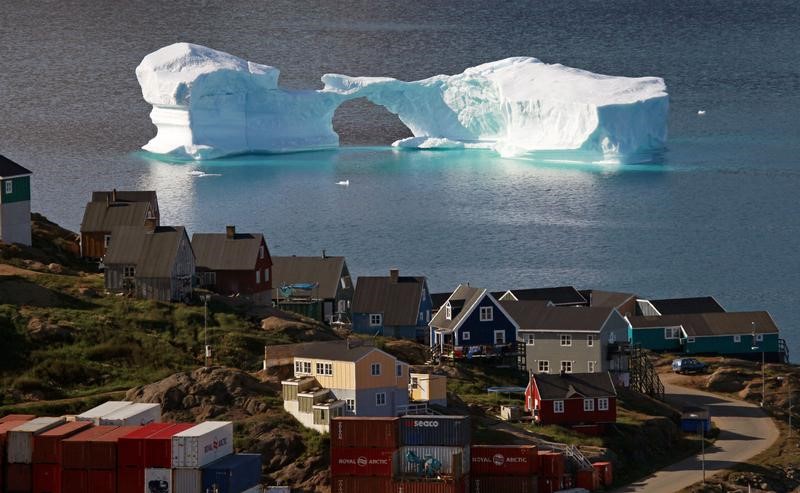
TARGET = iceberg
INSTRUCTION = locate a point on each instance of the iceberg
(209, 104)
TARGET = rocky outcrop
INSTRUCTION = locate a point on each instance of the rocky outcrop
(726, 380)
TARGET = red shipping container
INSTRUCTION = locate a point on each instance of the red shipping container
(19, 478)
(74, 481)
(509, 460)
(102, 481)
(158, 447)
(47, 446)
(75, 448)
(47, 478)
(130, 479)
(101, 451)
(130, 448)
(360, 432)
(497, 484)
(587, 479)
(551, 464)
(16, 417)
(549, 485)
(604, 469)
(362, 461)
(363, 484)
(432, 486)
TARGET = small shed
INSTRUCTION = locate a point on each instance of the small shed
(693, 419)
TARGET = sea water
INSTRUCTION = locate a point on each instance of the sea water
(716, 214)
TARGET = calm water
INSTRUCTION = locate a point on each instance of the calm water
(718, 216)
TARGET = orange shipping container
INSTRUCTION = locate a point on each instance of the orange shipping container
(361, 484)
(47, 445)
(74, 449)
(102, 451)
(604, 469)
(588, 479)
(360, 432)
(16, 417)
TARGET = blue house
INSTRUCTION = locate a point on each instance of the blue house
(472, 319)
(392, 306)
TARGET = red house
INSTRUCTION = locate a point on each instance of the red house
(585, 401)
(234, 263)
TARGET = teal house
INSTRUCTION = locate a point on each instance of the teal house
(15, 202)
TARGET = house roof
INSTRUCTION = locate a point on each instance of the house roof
(673, 306)
(216, 251)
(568, 385)
(438, 299)
(537, 315)
(611, 299)
(712, 324)
(327, 271)
(561, 295)
(461, 300)
(398, 300)
(154, 251)
(125, 196)
(103, 217)
(9, 168)
(330, 350)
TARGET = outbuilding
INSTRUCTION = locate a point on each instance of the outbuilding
(586, 401)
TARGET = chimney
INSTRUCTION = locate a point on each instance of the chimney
(324, 255)
(394, 274)
(230, 232)
(114, 195)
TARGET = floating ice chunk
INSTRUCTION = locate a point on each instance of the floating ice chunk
(428, 143)
(701, 112)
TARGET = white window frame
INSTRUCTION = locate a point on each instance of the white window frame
(565, 363)
(672, 333)
(129, 271)
(759, 337)
(448, 311)
(486, 314)
(375, 369)
(530, 339)
(258, 277)
(602, 404)
(737, 338)
(503, 332)
(690, 340)
(544, 366)
(558, 407)
(588, 405)
(375, 319)
(465, 335)
(566, 338)
(591, 366)
(590, 340)
(350, 405)
(302, 367)
(325, 369)
(380, 399)
(9, 187)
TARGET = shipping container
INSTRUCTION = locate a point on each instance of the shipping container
(134, 415)
(94, 414)
(158, 447)
(441, 431)
(549, 485)
(277, 489)
(605, 471)
(19, 478)
(202, 444)
(47, 445)
(551, 464)
(504, 460)
(102, 481)
(157, 480)
(232, 474)
(255, 489)
(130, 479)
(101, 452)
(433, 486)
(46, 478)
(74, 481)
(19, 440)
(360, 432)
(499, 484)
(4, 428)
(187, 480)
(74, 449)
(587, 479)
(363, 461)
(420, 461)
(362, 484)
(130, 448)
(17, 417)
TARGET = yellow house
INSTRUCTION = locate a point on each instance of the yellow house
(429, 388)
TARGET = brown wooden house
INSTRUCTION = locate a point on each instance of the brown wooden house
(109, 210)
(234, 263)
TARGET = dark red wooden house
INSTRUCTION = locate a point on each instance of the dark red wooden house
(585, 401)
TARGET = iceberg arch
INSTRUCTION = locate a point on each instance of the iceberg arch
(209, 104)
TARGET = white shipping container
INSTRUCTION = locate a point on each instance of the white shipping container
(94, 414)
(202, 444)
(133, 415)
(187, 481)
(445, 455)
(157, 480)
(19, 440)
(278, 489)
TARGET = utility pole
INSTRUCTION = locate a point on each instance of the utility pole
(206, 348)
(754, 347)
(703, 449)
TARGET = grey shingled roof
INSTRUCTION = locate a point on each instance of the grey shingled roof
(568, 385)
(536, 315)
(712, 324)
(295, 270)
(675, 306)
(398, 301)
(9, 168)
(215, 251)
(560, 295)
(611, 299)
(103, 217)
(154, 251)
(332, 350)
(462, 299)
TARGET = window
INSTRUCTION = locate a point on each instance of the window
(487, 314)
(544, 366)
(261, 251)
(591, 366)
(380, 399)
(590, 340)
(530, 339)
(566, 366)
(324, 368)
(602, 404)
(465, 336)
(414, 382)
(350, 405)
(566, 340)
(375, 369)
(399, 370)
(106, 240)
(266, 275)
(129, 271)
(759, 337)
(672, 332)
(499, 337)
(375, 319)
(342, 306)
(690, 340)
(258, 277)
(448, 311)
(588, 405)
(9, 187)
(558, 406)
(427, 315)
(737, 338)
(302, 367)
(345, 282)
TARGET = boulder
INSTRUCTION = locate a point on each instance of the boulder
(726, 380)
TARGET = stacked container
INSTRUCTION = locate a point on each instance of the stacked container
(74, 458)
(95, 414)
(605, 473)
(133, 415)
(363, 453)
(47, 457)
(5, 426)
(19, 453)
(130, 458)
(101, 460)
(501, 468)
(428, 441)
(233, 474)
(551, 471)
(196, 447)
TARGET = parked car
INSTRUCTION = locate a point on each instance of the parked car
(688, 365)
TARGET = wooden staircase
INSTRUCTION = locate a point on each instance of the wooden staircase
(644, 377)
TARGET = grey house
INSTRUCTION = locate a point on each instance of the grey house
(151, 263)
(569, 339)
(318, 287)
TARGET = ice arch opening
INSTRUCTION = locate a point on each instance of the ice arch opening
(384, 126)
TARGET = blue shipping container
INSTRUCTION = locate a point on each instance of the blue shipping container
(233, 474)
(438, 431)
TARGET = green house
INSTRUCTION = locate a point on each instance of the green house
(15, 202)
